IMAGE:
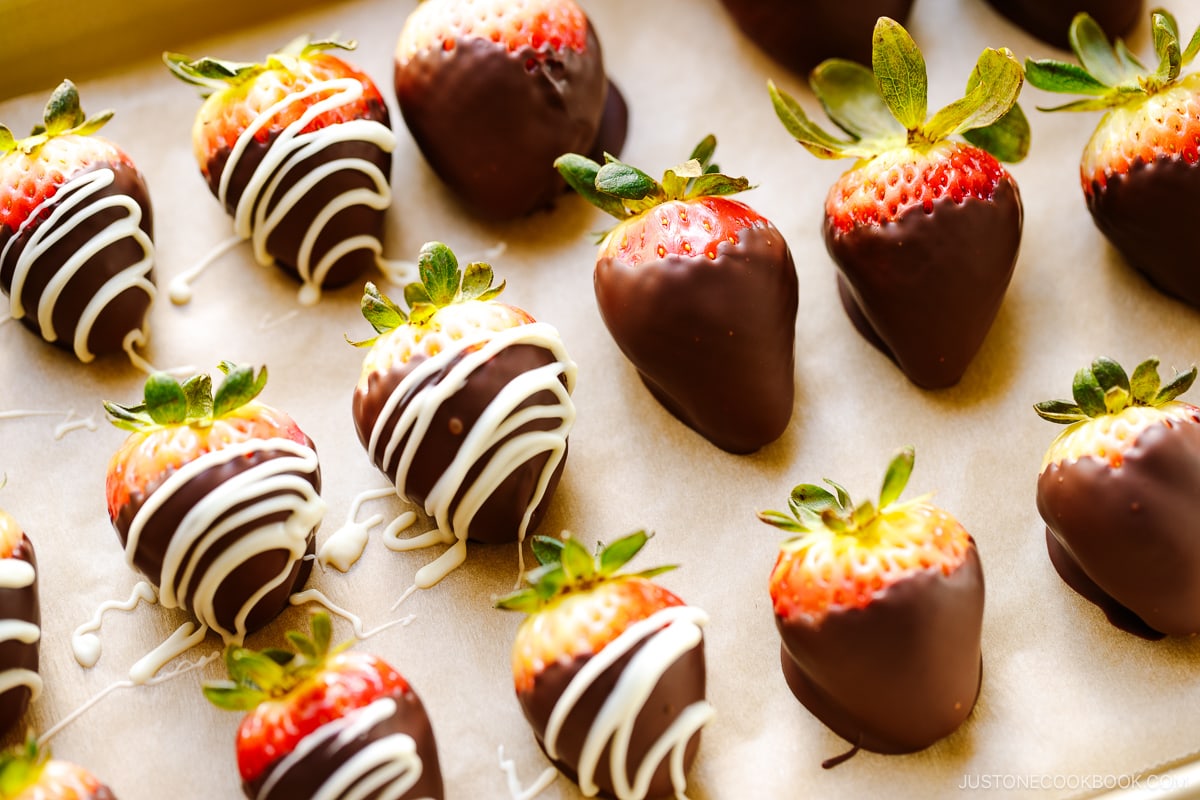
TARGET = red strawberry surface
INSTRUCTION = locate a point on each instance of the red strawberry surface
(1140, 170)
(926, 226)
(544, 26)
(29, 773)
(583, 651)
(880, 611)
(700, 293)
(313, 712)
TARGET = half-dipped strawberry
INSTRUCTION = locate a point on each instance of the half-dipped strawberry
(1141, 168)
(1119, 491)
(880, 611)
(29, 773)
(465, 404)
(924, 228)
(324, 723)
(494, 90)
(1051, 21)
(216, 498)
(76, 253)
(298, 149)
(609, 670)
(700, 293)
(21, 619)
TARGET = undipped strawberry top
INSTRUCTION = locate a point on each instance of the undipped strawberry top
(924, 228)
(76, 248)
(20, 623)
(298, 149)
(1140, 170)
(29, 773)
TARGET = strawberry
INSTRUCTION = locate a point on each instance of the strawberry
(76, 233)
(700, 293)
(924, 228)
(1119, 491)
(298, 150)
(20, 618)
(1141, 168)
(464, 403)
(609, 669)
(801, 35)
(494, 90)
(324, 723)
(1051, 22)
(880, 612)
(216, 498)
(29, 773)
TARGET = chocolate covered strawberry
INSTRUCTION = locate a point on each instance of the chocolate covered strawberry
(1119, 491)
(1050, 20)
(1141, 169)
(465, 404)
(925, 227)
(880, 610)
(29, 773)
(20, 616)
(609, 670)
(76, 228)
(494, 90)
(298, 149)
(700, 293)
(326, 723)
(216, 498)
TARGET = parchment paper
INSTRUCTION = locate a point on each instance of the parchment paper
(1068, 702)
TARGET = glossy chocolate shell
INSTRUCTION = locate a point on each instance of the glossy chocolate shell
(1050, 20)
(20, 604)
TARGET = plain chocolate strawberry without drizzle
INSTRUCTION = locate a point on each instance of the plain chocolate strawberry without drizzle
(1119, 491)
(924, 228)
(1140, 170)
(1050, 20)
(700, 293)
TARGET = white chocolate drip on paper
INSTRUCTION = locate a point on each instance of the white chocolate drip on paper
(180, 288)
(515, 790)
(360, 633)
(667, 635)
(345, 546)
(498, 420)
(62, 218)
(71, 420)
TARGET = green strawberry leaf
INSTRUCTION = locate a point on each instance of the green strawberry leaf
(380, 311)
(240, 386)
(1060, 411)
(526, 601)
(580, 174)
(806, 132)
(1133, 65)
(896, 477)
(992, 90)
(166, 402)
(1193, 47)
(198, 390)
(626, 182)
(1088, 394)
(900, 73)
(1145, 382)
(62, 110)
(616, 555)
(547, 550)
(577, 563)
(8, 142)
(1109, 374)
(704, 151)
(439, 272)
(715, 184)
(1063, 78)
(782, 521)
(1007, 139)
(416, 294)
(674, 184)
(477, 280)
(1095, 52)
(1166, 46)
(850, 96)
(1178, 385)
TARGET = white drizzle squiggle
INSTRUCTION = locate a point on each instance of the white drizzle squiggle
(289, 149)
(667, 635)
(499, 420)
(71, 420)
(389, 765)
(74, 194)
(17, 573)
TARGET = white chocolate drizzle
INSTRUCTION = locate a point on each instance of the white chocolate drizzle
(345, 545)
(515, 790)
(17, 573)
(65, 211)
(360, 633)
(498, 420)
(665, 637)
(71, 420)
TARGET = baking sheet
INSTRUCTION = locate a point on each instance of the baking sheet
(1068, 703)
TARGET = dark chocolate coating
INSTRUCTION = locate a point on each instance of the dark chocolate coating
(802, 33)
(248, 577)
(19, 604)
(125, 312)
(1134, 530)
(491, 123)
(1050, 20)
(1144, 212)
(713, 339)
(306, 777)
(681, 685)
(284, 242)
(929, 285)
(899, 674)
(499, 519)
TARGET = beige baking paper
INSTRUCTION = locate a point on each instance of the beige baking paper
(1068, 702)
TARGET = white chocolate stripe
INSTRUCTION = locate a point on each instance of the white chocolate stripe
(16, 573)
(49, 231)
(276, 484)
(289, 149)
(668, 635)
(18, 630)
(12, 678)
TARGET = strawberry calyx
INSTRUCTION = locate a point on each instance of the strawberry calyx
(1105, 389)
(566, 567)
(625, 191)
(441, 284)
(21, 767)
(62, 116)
(1108, 73)
(214, 74)
(885, 107)
(167, 403)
